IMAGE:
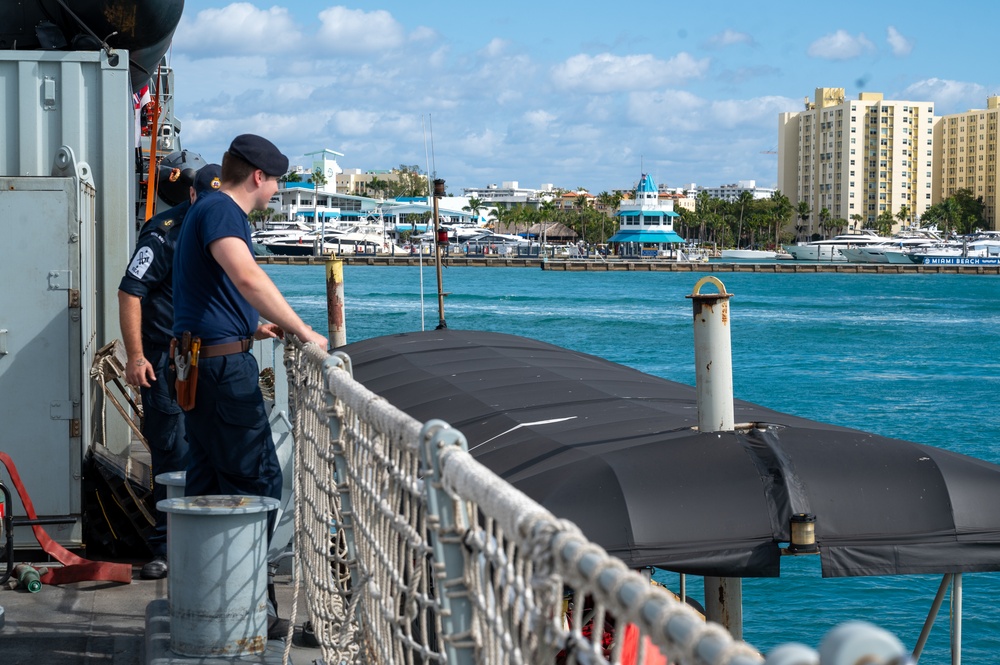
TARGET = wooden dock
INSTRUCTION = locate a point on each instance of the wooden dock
(627, 265)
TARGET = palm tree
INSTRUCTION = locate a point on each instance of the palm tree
(475, 205)
(607, 203)
(318, 180)
(904, 215)
(883, 223)
(951, 213)
(824, 219)
(501, 218)
(857, 219)
(545, 213)
(702, 212)
(804, 213)
(781, 210)
(580, 203)
(743, 202)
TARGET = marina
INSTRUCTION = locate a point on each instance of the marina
(643, 265)
(898, 356)
(490, 488)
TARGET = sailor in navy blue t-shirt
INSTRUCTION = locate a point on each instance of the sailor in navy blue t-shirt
(219, 292)
(145, 306)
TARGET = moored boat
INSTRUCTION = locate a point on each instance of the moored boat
(748, 254)
(830, 249)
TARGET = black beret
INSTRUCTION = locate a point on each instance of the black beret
(259, 153)
(208, 179)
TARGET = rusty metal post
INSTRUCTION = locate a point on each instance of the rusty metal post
(335, 303)
(713, 359)
(438, 193)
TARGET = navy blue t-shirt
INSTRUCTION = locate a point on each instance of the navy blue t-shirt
(149, 273)
(206, 302)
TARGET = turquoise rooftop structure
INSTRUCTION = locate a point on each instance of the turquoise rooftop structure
(646, 220)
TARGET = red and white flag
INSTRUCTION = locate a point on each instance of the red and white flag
(139, 101)
(142, 97)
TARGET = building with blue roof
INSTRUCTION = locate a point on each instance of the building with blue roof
(646, 223)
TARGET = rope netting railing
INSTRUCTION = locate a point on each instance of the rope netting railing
(411, 551)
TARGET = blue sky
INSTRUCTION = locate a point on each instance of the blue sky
(576, 94)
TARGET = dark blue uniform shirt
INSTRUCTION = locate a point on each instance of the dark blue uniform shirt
(206, 302)
(149, 273)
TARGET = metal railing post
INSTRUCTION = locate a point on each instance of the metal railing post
(956, 619)
(335, 319)
(341, 361)
(713, 358)
(447, 521)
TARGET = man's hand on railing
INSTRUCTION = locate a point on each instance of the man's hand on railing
(269, 331)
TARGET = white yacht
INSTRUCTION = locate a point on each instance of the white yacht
(981, 249)
(899, 243)
(747, 255)
(830, 249)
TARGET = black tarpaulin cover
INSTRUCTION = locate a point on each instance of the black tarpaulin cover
(615, 451)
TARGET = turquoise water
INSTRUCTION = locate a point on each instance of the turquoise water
(908, 356)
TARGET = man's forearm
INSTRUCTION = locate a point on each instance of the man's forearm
(265, 297)
(130, 321)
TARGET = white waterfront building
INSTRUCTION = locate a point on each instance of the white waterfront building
(733, 191)
(510, 194)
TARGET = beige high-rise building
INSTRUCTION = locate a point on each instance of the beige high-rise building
(966, 157)
(856, 159)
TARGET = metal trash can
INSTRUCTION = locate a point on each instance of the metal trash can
(217, 587)
(174, 481)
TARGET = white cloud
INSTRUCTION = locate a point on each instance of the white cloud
(495, 48)
(479, 146)
(729, 37)
(685, 112)
(840, 46)
(609, 73)
(539, 118)
(759, 111)
(900, 44)
(239, 28)
(948, 96)
(355, 31)
(677, 109)
(354, 122)
(423, 34)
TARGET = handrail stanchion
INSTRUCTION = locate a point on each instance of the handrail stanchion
(335, 319)
(447, 522)
(341, 361)
(713, 359)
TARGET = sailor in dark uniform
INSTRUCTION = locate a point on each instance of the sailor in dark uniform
(146, 315)
(220, 296)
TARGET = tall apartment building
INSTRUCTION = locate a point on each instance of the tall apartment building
(966, 157)
(857, 157)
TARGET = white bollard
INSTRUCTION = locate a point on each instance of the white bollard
(713, 357)
(217, 587)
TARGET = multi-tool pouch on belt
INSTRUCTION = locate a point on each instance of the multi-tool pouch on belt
(184, 353)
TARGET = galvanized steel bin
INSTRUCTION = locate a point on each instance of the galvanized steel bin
(174, 481)
(217, 587)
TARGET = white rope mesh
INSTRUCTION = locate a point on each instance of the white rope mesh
(538, 591)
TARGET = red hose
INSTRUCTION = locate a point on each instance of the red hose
(75, 569)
